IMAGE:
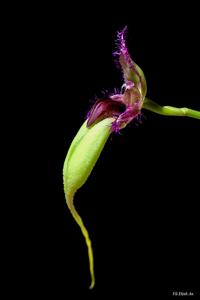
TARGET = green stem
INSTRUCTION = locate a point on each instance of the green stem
(170, 110)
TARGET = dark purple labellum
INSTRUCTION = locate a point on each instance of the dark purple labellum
(105, 108)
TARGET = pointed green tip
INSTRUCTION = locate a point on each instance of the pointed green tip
(92, 284)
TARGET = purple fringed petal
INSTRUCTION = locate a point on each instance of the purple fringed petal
(124, 106)
(131, 71)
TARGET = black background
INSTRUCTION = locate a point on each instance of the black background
(140, 204)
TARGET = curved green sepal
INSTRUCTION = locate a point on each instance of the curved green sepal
(80, 160)
(83, 153)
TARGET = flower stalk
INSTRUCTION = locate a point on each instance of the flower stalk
(170, 110)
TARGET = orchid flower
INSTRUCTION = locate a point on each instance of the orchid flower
(105, 117)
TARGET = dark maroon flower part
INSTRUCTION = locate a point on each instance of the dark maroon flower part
(126, 106)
